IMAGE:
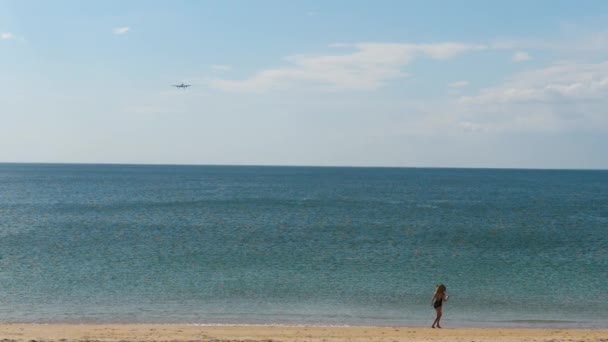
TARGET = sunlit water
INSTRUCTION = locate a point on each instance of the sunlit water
(298, 245)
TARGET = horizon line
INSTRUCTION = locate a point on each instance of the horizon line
(312, 166)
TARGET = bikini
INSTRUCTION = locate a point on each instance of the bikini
(437, 303)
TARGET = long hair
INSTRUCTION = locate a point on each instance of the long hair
(440, 288)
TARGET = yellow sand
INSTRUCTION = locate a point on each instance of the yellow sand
(171, 332)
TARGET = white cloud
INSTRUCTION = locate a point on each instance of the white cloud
(578, 42)
(369, 66)
(458, 84)
(556, 98)
(121, 30)
(521, 56)
(7, 36)
(573, 81)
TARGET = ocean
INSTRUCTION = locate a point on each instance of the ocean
(302, 245)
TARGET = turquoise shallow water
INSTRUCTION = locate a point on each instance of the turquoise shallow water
(300, 245)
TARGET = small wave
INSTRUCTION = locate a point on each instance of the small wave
(541, 321)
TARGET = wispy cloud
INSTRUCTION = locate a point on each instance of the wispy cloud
(369, 66)
(559, 97)
(121, 30)
(575, 81)
(221, 68)
(7, 36)
(521, 56)
(458, 84)
(574, 42)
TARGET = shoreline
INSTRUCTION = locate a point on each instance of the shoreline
(201, 332)
(448, 325)
(533, 324)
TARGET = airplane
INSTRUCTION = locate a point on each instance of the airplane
(183, 86)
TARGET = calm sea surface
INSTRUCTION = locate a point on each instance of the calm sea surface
(300, 245)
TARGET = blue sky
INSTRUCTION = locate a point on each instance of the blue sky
(358, 83)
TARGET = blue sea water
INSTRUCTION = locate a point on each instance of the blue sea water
(302, 245)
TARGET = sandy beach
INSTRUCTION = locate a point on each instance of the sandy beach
(170, 332)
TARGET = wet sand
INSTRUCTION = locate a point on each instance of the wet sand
(171, 332)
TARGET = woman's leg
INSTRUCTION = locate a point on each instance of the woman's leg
(437, 318)
(439, 314)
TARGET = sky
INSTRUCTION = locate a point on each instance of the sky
(509, 84)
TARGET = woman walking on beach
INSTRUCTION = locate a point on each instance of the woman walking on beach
(438, 297)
